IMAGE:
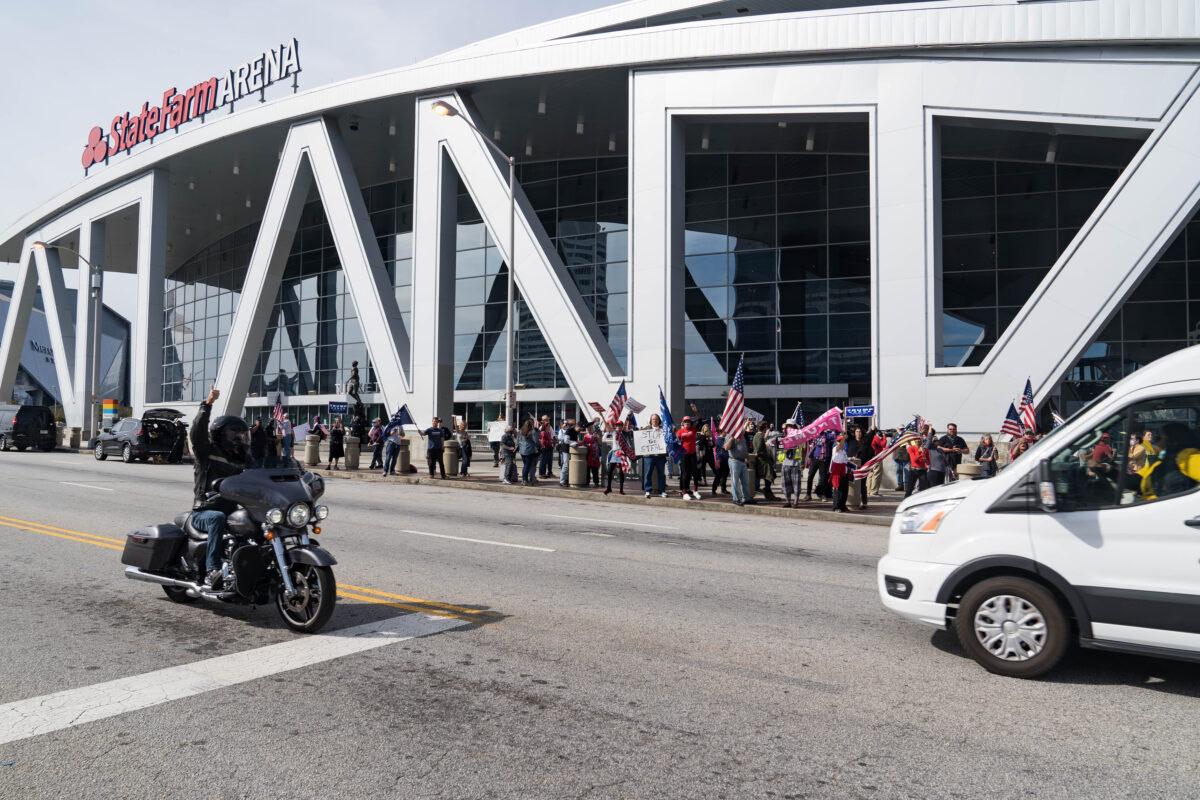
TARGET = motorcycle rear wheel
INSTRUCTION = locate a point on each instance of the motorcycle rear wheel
(179, 595)
(316, 595)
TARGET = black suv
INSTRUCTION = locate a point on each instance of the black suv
(158, 434)
(27, 426)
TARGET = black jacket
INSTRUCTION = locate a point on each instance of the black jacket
(208, 466)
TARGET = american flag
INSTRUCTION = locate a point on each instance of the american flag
(617, 405)
(1027, 409)
(1012, 423)
(902, 440)
(277, 412)
(733, 419)
(798, 415)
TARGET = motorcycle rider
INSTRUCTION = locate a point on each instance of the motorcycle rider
(219, 449)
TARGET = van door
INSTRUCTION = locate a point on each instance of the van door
(1121, 535)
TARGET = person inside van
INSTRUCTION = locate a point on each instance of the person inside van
(1173, 462)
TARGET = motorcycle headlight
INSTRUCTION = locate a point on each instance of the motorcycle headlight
(926, 517)
(299, 515)
(321, 512)
(274, 516)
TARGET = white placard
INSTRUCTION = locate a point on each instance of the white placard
(753, 415)
(649, 442)
(495, 430)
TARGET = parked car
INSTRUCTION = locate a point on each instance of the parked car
(159, 434)
(27, 426)
(1091, 536)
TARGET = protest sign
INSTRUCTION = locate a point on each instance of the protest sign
(495, 430)
(649, 442)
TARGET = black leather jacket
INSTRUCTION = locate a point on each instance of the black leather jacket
(209, 466)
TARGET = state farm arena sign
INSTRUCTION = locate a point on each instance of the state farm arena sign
(177, 108)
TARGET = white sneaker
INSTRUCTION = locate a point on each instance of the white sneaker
(647, 495)
(687, 497)
(695, 495)
(663, 495)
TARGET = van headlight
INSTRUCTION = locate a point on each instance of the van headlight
(298, 515)
(274, 516)
(926, 517)
(321, 512)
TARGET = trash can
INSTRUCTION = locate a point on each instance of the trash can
(578, 476)
(404, 461)
(312, 450)
(450, 456)
(353, 451)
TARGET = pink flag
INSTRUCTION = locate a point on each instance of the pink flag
(831, 420)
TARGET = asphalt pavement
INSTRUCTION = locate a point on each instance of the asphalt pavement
(512, 646)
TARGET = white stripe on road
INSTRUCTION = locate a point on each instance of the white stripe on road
(478, 541)
(67, 709)
(613, 521)
(87, 486)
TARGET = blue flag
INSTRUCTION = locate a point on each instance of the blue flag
(401, 418)
(674, 448)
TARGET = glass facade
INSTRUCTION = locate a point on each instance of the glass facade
(1162, 315)
(313, 335)
(1011, 202)
(582, 205)
(777, 255)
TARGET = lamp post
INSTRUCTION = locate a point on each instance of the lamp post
(96, 283)
(444, 109)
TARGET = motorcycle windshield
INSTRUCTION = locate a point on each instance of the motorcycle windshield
(258, 490)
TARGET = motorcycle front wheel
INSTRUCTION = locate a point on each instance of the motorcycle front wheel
(311, 607)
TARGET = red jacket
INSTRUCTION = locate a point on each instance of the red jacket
(879, 443)
(687, 439)
(918, 457)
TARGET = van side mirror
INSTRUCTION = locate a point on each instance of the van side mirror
(1047, 497)
(106, 430)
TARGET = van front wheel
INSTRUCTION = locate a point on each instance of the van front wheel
(1012, 626)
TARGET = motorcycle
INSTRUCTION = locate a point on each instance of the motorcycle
(268, 550)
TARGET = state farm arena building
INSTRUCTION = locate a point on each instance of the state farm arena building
(914, 205)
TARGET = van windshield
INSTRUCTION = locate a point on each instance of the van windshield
(1053, 433)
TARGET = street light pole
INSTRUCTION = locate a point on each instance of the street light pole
(444, 109)
(95, 288)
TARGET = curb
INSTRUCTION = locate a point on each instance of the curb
(879, 520)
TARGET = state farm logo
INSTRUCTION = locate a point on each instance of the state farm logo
(177, 108)
(96, 149)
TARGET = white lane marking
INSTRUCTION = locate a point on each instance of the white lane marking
(479, 541)
(72, 707)
(68, 463)
(593, 533)
(613, 521)
(87, 486)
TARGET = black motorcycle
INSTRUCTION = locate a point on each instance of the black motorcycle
(269, 552)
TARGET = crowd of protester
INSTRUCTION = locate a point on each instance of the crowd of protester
(814, 473)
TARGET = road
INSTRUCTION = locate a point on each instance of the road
(576, 650)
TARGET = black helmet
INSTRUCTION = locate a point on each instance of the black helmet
(231, 437)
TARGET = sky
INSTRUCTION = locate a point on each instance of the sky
(68, 66)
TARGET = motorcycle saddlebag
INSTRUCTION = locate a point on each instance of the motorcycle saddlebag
(153, 547)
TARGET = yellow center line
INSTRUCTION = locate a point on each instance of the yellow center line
(361, 593)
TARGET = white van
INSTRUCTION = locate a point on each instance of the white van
(1070, 542)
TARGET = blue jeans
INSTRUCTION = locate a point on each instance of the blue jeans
(545, 462)
(212, 523)
(650, 466)
(391, 452)
(528, 467)
(740, 474)
(564, 460)
(902, 471)
(288, 442)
